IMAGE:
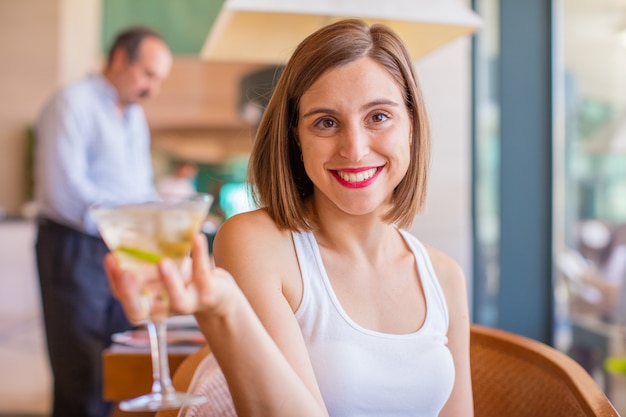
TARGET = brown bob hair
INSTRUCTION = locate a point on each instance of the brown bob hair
(279, 181)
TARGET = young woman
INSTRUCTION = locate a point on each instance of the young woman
(322, 304)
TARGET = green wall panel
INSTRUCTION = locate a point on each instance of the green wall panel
(183, 23)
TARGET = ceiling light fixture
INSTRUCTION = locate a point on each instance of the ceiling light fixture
(267, 31)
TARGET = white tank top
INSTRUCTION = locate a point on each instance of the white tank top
(362, 372)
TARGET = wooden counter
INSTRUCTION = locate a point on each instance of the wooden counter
(127, 371)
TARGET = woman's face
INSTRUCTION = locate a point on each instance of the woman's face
(354, 131)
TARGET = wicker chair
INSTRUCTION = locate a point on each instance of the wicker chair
(516, 376)
(512, 376)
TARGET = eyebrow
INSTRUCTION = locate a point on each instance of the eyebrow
(378, 102)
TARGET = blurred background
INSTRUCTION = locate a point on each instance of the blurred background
(528, 177)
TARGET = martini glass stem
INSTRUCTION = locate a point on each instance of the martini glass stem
(161, 380)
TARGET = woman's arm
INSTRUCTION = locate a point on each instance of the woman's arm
(263, 262)
(452, 280)
(249, 324)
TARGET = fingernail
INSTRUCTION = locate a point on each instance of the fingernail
(167, 266)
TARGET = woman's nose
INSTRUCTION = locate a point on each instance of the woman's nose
(354, 144)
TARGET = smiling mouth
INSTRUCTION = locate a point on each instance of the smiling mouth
(356, 177)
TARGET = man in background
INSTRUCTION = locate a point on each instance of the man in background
(92, 144)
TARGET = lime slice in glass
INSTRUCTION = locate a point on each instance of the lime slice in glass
(141, 254)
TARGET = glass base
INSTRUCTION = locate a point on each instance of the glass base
(157, 401)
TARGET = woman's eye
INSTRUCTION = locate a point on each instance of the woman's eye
(326, 123)
(379, 117)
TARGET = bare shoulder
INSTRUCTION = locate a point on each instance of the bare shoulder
(450, 275)
(248, 226)
(260, 256)
(251, 236)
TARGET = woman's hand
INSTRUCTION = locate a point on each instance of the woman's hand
(125, 287)
(207, 291)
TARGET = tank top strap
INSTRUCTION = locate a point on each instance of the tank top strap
(432, 288)
(313, 290)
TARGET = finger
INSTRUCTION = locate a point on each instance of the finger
(201, 266)
(181, 300)
(111, 269)
(214, 286)
(125, 288)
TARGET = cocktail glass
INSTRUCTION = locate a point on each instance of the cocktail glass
(140, 235)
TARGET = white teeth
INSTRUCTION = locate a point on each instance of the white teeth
(357, 177)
